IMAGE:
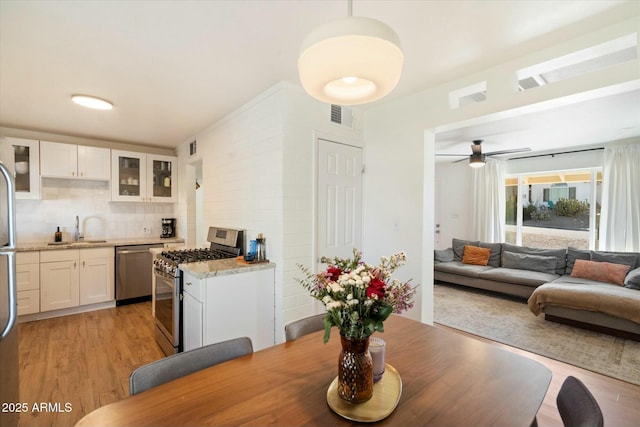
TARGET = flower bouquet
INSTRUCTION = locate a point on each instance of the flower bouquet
(359, 297)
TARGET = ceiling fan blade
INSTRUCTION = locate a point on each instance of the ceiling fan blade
(452, 155)
(466, 159)
(513, 150)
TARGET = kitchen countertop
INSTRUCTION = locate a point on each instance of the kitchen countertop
(222, 267)
(92, 243)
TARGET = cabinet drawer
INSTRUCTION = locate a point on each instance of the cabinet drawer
(28, 302)
(28, 276)
(60, 255)
(194, 287)
(92, 253)
(27, 258)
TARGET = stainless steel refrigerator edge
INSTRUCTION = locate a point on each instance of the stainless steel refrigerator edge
(9, 382)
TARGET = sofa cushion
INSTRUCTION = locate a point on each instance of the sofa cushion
(496, 252)
(560, 254)
(458, 247)
(573, 254)
(544, 264)
(476, 255)
(629, 259)
(600, 271)
(632, 281)
(517, 276)
(457, 267)
(445, 255)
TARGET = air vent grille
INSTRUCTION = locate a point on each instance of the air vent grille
(193, 147)
(336, 114)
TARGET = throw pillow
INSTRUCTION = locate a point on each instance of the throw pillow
(607, 272)
(444, 255)
(632, 281)
(458, 247)
(543, 264)
(615, 258)
(573, 254)
(475, 255)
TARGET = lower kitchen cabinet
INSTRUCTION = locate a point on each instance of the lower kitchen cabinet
(73, 277)
(220, 308)
(96, 275)
(59, 279)
(28, 282)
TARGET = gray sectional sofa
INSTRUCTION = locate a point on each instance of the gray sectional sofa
(544, 278)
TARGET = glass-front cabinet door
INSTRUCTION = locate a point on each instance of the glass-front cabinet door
(22, 156)
(162, 178)
(128, 176)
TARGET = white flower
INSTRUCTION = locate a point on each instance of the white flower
(350, 296)
(334, 305)
(352, 302)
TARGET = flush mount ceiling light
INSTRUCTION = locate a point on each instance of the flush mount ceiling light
(92, 102)
(477, 160)
(350, 61)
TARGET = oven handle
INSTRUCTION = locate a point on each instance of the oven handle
(141, 251)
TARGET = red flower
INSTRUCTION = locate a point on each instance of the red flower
(333, 273)
(376, 287)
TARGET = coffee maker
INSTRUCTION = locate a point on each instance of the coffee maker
(168, 228)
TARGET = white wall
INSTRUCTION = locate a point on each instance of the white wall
(258, 175)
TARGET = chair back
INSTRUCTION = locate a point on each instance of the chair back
(181, 364)
(577, 406)
(304, 326)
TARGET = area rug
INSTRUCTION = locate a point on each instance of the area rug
(509, 321)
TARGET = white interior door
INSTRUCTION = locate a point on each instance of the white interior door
(339, 204)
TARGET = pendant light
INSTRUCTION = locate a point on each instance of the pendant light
(477, 160)
(350, 61)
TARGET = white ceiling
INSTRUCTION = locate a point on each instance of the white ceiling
(172, 68)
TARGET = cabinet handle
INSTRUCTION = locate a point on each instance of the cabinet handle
(83, 264)
(73, 173)
(74, 265)
(188, 283)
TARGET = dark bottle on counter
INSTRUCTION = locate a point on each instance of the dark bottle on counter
(58, 235)
(261, 249)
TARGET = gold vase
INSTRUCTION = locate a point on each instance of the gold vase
(355, 370)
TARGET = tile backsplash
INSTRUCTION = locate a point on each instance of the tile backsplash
(62, 199)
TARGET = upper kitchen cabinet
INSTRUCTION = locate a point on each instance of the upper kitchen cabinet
(162, 178)
(22, 156)
(139, 177)
(74, 161)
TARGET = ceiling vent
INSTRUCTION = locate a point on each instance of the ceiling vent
(193, 148)
(342, 115)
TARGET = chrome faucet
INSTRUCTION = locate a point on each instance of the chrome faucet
(76, 232)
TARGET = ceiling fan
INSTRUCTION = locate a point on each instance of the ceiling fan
(478, 158)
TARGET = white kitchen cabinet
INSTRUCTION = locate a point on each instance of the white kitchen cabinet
(74, 277)
(140, 177)
(96, 275)
(74, 161)
(233, 305)
(22, 156)
(28, 282)
(192, 324)
(162, 182)
(59, 279)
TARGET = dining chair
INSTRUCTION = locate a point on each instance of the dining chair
(577, 406)
(181, 364)
(304, 326)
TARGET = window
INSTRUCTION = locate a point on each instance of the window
(556, 209)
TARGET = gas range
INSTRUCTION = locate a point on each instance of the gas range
(225, 243)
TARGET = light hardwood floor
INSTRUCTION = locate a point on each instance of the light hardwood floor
(85, 360)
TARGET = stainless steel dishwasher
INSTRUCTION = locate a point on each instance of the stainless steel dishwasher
(134, 265)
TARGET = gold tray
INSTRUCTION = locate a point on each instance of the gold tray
(386, 395)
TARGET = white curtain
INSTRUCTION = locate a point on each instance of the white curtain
(620, 210)
(488, 202)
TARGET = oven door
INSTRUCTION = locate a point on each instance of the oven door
(167, 309)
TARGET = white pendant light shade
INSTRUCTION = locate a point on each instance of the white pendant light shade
(350, 61)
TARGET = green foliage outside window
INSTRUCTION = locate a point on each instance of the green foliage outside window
(571, 207)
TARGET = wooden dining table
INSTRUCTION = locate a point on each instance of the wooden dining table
(448, 379)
